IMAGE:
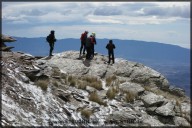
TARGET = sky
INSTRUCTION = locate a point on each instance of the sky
(163, 22)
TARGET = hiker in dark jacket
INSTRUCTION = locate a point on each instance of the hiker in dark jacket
(110, 46)
(93, 43)
(88, 47)
(51, 40)
(83, 42)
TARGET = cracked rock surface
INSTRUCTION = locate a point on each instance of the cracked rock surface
(64, 90)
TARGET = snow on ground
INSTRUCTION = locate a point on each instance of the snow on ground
(51, 111)
(104, 85)
(119, 60)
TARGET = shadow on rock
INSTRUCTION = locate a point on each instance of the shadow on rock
(48, 58)
(86, 62)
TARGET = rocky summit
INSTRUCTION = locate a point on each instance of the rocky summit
(65, 90)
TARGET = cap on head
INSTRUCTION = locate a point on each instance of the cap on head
(110, 41)
(52, 31)
(93, 33)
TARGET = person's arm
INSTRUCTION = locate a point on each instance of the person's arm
(113, 46)
(95, 41)
(55, 39)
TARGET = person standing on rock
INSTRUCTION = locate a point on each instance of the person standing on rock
(83, 42)
(51, 40)
(93, 43)
(110, 46)
(88, 47)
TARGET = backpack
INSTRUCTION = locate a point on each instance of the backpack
(93, 41)
(110, 47)
(48, 38)
(82, 36)
(88, 42)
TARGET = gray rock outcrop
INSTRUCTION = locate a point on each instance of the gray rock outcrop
(152, 99)
(166, 110)
(65, 91)
(4, 39)
(132, 87)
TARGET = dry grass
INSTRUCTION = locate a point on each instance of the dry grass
(129, 97)
(71, 81)
(111, 93)
(55, 84)
(63, 76)
(82, 85)
(43, 84)
(93, 82)
(70, 78)
(56, 72)
(89, 79)
(147, 88)
(110, 79)
(86, 113)
(97, 85)
(95, 98)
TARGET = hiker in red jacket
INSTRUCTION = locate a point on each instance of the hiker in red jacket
(110, 46)
(83, 42)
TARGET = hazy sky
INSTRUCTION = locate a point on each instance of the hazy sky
(164, 22)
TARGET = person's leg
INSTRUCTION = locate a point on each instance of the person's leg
(87, 55)
(93, 50)
(88, 52)
(113, 57)
(109, 54)
(81, 47)
(51, 49)
(84, 48)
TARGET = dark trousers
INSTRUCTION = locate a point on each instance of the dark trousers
(51, 48)
(82, 47)
(92, 50)
(111, 53)
(88, 56)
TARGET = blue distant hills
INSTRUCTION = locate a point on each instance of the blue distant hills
(170, 60)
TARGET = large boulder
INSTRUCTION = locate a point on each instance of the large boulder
(180, 121)
(132, 87)
(4, 39)
(152, 99)
(166, 110)
(177, 91)
(151, 121)
(186, 110)
(147, 76)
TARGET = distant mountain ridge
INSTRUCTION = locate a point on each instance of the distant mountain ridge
(171, 60)
(130, 49)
